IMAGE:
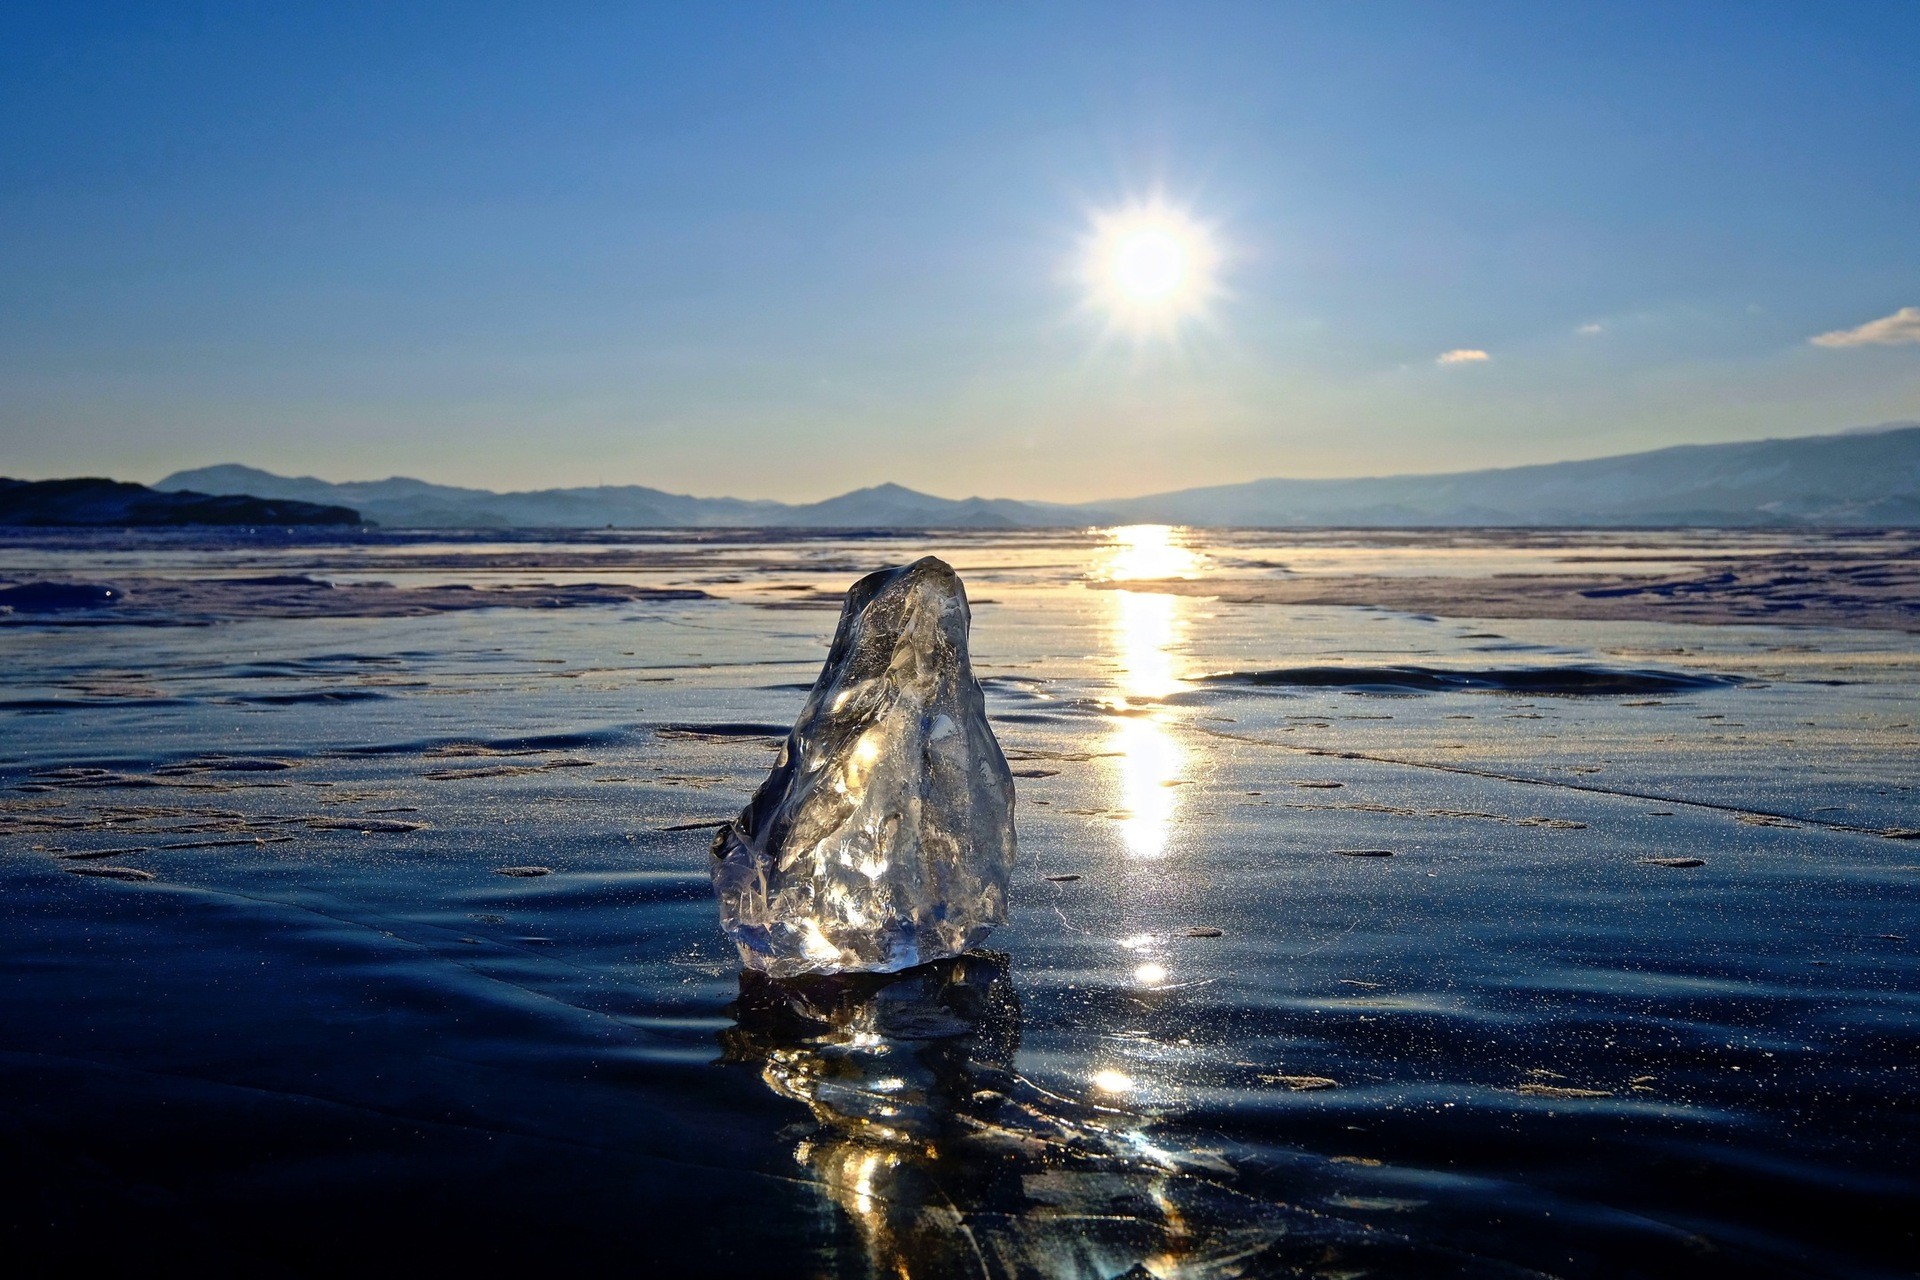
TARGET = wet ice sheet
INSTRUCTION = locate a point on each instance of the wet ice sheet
(1298, 977)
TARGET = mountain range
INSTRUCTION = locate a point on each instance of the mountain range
(118, 504)
(1858, 478)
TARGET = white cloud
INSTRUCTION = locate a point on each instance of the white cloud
(1589, 330)
(1463, 355)
(1902, 327)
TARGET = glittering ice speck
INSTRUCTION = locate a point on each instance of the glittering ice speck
(884, 836)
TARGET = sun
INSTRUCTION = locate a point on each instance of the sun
(1149, 267)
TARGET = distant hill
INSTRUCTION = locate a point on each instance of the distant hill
(1854, 478)
(405, 503)
(1861, 477)
(112, 503)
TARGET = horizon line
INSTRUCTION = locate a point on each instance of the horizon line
(1882, 428)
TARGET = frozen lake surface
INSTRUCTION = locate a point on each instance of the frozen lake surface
(1345, 941)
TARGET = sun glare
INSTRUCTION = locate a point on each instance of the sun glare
(1150, 267)
(1137, 551)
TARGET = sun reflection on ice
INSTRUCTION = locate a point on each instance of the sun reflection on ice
(1147, 627)
(1150, 766)
(1150, 974)
(1141, 552)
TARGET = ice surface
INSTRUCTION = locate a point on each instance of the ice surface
(377, 756)
(884, 836)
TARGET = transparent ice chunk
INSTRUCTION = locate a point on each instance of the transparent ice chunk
(884, 836)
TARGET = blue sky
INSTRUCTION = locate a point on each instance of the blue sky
(784, 251)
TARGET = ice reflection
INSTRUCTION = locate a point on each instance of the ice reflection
(1150, 764)
(945, 1161)
(1143, 551)
(1147, 629)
